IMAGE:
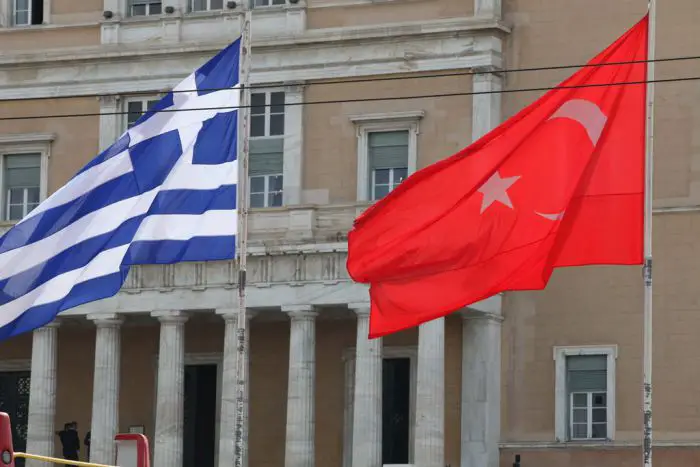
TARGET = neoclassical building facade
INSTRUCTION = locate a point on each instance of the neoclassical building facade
(350, 97)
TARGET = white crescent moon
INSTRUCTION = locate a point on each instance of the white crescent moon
(587, 113)
(593, 120)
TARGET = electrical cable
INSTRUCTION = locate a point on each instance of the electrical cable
(329, 81)
(366, 99)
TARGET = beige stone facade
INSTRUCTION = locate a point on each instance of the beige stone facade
(494, 382)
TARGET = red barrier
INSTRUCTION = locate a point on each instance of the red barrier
(132, 450)
(7, 454)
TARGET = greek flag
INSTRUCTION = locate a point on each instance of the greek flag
(165, 192)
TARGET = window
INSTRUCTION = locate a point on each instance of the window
(135, 107)
(585, 393)
(388, 161)
(27, 12)
(387, 151)
(145, 7)
(586, 384)
(265, 169)
(259, 3)
(206, 5)
(22, 184)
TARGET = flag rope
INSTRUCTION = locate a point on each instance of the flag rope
(242, 346)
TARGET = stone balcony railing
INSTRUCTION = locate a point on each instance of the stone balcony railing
(294, 245)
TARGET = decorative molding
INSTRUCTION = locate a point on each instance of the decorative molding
(317, 54)
(595, 445)
(19, 364)
(561, 407)
(21, 138)
(366, 124)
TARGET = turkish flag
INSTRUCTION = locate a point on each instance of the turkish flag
(561, 183)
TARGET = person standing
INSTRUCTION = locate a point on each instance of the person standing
(70, 441)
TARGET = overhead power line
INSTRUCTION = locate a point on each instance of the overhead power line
(367, 99)
(330, 81)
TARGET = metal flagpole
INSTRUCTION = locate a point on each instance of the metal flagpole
(241, 430)
(648, 200)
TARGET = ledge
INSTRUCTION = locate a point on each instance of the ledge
(327, 36)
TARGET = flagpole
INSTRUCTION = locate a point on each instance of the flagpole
(648, 205)
(241, 425)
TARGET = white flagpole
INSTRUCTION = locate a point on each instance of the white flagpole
(241, 426)
(648, 201)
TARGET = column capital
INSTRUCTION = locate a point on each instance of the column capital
(170, 316)
(300, 311)
(53, 324)
(231, 314)
(103, 320)
(360, 308)
(468, 314)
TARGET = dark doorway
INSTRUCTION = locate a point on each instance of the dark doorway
(396, 404)
(14, 400)
(200, 415)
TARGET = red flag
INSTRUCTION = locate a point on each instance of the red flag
(561, 183)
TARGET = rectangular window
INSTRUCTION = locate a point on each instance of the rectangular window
(136, 107)
(145, 7)
(265, 170)
(388, 161)
(206, 5)
(27, 12)
(259, 3)
(586, 385)
(21, 184)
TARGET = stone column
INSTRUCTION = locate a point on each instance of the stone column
(42, 392)
(367, 403)
(429, 445)
(481, 389)
(168, 448)
(229, 387)
(300, 447)
(105, 392)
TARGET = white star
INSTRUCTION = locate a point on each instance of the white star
(496, 189)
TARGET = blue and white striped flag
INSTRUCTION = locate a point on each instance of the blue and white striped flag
(164, 192)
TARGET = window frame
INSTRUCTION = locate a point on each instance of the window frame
(17, 144)
(267, 136)
(266, 191)
(562, 403)
(254, 5)
(371, 123)
(130, 8)
(349, 354)
(7, 14)
(190, 7)
(144, 99)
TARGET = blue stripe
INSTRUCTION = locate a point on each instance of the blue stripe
(88, 291)
(55, 219)
(120, 146)
(80, 254)
(77, 256)
(173, 251)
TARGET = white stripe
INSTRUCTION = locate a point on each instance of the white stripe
(187, 226)
(107, 262)
(163, 122)
(83, 183)
(96, 223)
(201, 177)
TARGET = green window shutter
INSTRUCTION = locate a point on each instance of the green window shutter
(388, 149)
(587, 373)
(266, 156)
